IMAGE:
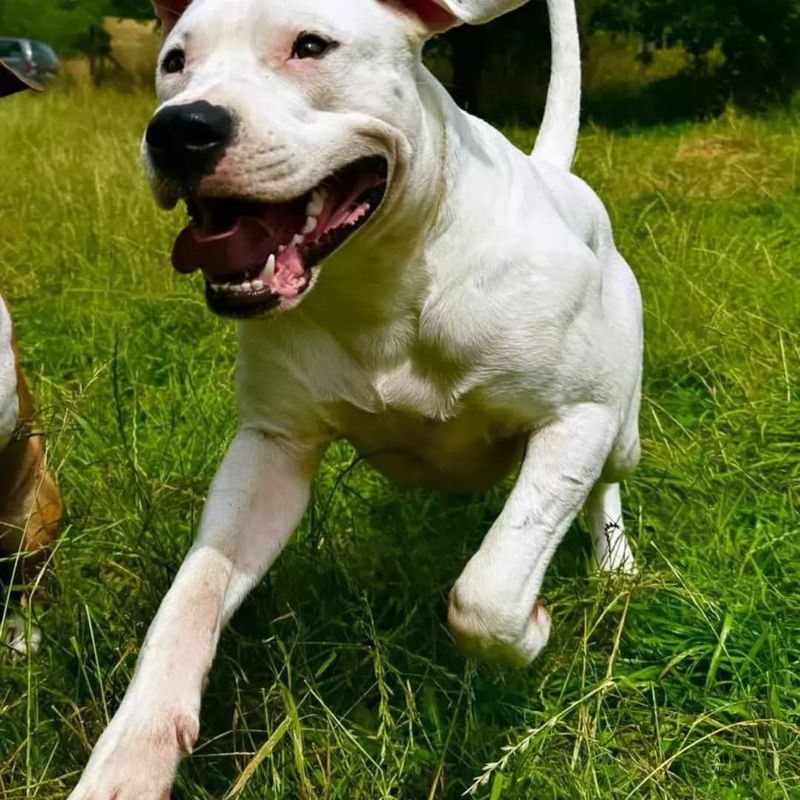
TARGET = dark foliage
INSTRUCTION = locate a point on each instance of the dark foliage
(757, 38)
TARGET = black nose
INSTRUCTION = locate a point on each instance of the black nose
(186, 142)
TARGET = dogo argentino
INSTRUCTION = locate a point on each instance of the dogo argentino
(404, 279)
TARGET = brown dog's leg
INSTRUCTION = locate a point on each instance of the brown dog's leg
(30, 504)
(30, 519)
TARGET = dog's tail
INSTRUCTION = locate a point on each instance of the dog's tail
(558, 137)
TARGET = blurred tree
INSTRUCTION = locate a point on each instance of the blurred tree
(58, 22)
(525, 33)
(71, 26)
(95, 44)
(131, 9)
(470, 49)
(62, 22)
(758, 39)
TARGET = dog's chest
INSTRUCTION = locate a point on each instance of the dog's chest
(427, 434)
(9, 400)
(417, 415)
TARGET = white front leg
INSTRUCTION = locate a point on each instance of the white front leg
(256, 501)
(494, 612)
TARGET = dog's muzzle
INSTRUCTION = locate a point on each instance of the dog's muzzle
(256, 256)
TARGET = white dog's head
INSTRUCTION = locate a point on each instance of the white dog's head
(286, 127)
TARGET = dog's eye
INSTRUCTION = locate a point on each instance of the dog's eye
(309, 45)
(174, 61)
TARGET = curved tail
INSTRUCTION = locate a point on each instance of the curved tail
(558, 136)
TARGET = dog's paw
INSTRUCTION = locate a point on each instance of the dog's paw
(614, 557)
(136, 758)
(488, 633)
(623, 566)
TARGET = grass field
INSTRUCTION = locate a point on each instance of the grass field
(338, 679)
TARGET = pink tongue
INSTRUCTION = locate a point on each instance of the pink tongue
(243, 248)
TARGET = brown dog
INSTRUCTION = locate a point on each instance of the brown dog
(30, 505)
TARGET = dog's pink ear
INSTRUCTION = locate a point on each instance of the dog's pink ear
(435, 16)
(439, 15)
(170, 11)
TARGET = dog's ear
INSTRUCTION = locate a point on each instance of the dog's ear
(434, 16)
(439, 15)
(170, 11)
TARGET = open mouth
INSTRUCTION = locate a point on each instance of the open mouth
(257, 256)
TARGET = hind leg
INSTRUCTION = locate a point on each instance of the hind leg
(612, 553)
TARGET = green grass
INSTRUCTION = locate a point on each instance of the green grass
(338, 678)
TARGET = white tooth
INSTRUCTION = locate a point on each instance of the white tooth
(317, 203)
(268, 273)
(269, 269)
(298, 239)
(246, 286)
(258, 285)
(311, 224)
(281, 248)
(217, 287)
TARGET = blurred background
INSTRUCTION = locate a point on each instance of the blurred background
(646, 61)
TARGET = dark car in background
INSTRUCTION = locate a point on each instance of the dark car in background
(30, 58)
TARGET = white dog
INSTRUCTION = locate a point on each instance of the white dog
(408, 281)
